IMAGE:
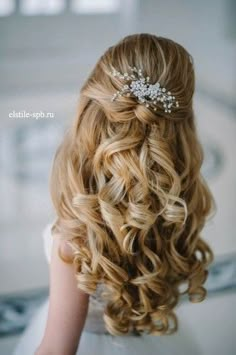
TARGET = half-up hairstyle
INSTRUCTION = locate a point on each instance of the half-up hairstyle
(128, 192)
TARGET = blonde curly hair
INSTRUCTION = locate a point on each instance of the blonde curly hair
(128, 192)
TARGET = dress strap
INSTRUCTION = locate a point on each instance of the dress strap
(48, 240)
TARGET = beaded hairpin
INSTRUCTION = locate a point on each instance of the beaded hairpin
(148, 94)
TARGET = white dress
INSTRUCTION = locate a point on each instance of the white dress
(95, 341)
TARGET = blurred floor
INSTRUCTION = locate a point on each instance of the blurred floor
(8, 344)
(211, 322)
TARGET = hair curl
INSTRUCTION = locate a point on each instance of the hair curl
(128, 191)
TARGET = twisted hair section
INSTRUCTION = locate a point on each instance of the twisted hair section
(129, 195)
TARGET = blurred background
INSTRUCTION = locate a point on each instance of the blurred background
(47, 49)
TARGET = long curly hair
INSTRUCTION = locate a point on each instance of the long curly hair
(128, 192)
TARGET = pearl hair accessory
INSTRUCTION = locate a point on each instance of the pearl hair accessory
(148, 94)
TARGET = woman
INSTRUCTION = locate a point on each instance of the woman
(130, 203)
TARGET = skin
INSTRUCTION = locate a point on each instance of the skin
(68, 307)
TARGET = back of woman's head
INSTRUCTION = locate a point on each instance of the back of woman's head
(128, 191)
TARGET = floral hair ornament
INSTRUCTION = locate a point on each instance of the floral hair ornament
(148, 94)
